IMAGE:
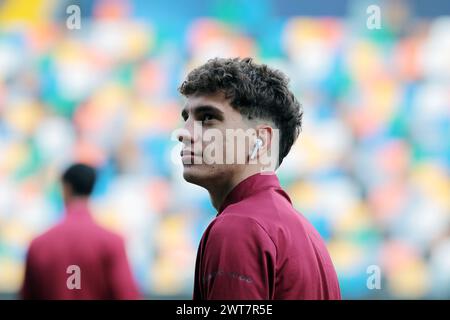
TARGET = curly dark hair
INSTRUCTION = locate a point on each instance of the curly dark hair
(256, 91)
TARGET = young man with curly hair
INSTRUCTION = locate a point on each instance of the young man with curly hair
(258, 246)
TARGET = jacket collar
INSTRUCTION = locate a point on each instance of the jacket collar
(252, 185)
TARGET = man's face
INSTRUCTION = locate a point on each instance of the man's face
(215, 147)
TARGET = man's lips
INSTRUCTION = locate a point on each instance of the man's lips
(187, 156)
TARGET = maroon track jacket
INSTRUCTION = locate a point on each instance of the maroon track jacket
(259, 247)
(78, 241)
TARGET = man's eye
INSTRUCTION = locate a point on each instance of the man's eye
(207, 117)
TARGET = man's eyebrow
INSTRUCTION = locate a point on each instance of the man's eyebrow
(203, 109)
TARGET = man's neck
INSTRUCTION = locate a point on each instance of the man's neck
(219, 192)
(76, 200)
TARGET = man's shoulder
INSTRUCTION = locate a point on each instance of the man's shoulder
(233, 234)
(271, 211)
(65, 232)
(106, 235)
(238, 227)
(50, 235)
(269, 208)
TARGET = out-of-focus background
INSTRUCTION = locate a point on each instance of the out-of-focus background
(370, 169)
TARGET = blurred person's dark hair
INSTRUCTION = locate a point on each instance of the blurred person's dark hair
(80, 178)
(256, 91)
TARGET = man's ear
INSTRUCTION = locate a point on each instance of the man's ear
(269, 150)
(265, 133)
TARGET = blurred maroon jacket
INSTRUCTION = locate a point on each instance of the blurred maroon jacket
(78, 240)
(259, 247)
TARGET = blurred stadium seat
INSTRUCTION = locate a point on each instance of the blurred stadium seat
(370, 169)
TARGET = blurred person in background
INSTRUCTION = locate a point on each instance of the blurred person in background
(78, 259)
(258, 246)
(370, 171)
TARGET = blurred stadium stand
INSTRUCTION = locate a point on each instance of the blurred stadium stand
(370, 169)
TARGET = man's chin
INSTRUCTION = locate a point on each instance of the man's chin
(194, 174)
(201, 175)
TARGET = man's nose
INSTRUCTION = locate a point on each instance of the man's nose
(186, 135)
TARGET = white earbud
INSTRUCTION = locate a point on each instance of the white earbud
(258, 145)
